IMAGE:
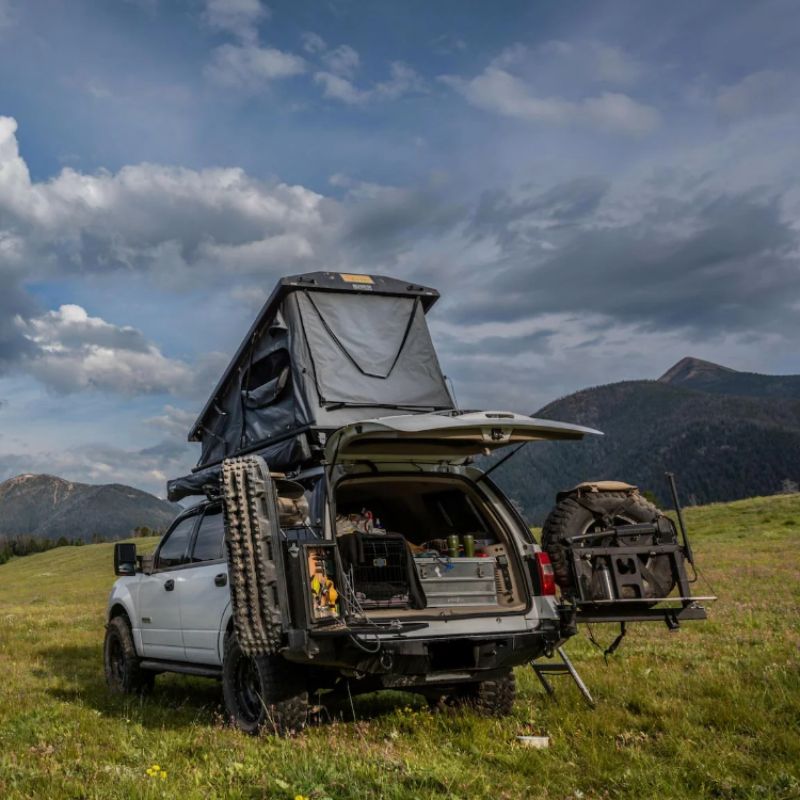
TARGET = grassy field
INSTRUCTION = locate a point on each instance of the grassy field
(711, 711)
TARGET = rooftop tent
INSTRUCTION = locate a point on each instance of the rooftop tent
(326, 350)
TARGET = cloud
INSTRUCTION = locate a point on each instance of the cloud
(765, 92)
(147, 468)
(590, 60)
(705, 264)
(313, 43)
(239, 17)
(510, 217)
(335, 87)
(342, 60)
(612, 65)
(497, 91)
(402, 80)
(251, 66)
(384, 221)
(73, 352)
(177, 224)
(514, 84)
(448, 43)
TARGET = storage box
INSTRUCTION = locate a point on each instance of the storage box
(457, 581)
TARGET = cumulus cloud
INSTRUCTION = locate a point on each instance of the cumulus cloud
(72, 351)
(251, 66)
(239, 17)
(179, 224)
(507, 86)
(498, 91)
(402, 80)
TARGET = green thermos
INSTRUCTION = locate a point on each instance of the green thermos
(469, 545)
(452, 545)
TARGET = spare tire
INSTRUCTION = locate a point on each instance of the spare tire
(580, 511)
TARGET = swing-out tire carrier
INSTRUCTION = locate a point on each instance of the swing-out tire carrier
(623, 564)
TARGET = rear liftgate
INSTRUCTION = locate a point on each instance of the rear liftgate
(628, 573)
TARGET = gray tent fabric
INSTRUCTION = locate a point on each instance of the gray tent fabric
(324, 352)
(370, 337)
(385, 357)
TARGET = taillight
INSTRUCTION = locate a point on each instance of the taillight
(547, 580)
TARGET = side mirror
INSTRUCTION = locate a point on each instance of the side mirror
(124, 559)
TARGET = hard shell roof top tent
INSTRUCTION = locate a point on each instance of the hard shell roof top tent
(327, 349)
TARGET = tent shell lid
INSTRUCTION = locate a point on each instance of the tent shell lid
(344, 283)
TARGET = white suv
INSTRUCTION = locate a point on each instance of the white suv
(398, 564)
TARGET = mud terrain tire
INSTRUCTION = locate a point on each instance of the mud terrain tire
(263, 694)
(572, 517)
(492, 698)
(123, 673)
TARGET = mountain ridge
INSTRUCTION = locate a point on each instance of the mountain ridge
(726, 435)
(49, 507)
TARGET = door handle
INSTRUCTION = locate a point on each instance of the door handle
(221, 579)
(169, 585)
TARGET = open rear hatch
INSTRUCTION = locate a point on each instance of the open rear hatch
(621, 572)
(450, 436)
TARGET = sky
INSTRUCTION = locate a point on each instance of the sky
(596, 188)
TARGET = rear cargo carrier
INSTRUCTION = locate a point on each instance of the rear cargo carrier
(618, 559)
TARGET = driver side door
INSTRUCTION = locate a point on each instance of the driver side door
(159, 594)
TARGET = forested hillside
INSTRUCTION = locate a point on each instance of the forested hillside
(722, 445)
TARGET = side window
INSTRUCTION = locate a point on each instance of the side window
(173, 550)
(210, 537)
(265, 380)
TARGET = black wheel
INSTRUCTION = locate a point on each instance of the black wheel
(573, 516)
(264, 694)
(492, 698)
(123, 673)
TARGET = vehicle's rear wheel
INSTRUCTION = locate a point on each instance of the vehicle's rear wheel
(263, 694)
(492, 698)
(124, 674)
(576, 515)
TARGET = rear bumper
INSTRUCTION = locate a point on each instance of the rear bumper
(404, 661)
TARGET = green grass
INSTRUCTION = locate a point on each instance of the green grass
(710, 711)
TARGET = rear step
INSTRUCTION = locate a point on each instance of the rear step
(561, 667)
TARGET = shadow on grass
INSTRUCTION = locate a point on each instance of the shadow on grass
(75, 674)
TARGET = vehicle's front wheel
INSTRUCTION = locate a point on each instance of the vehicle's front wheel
(124, 674)
(263, 694)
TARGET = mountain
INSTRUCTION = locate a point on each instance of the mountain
(725, 434)
(703, 376)
(49, 507)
